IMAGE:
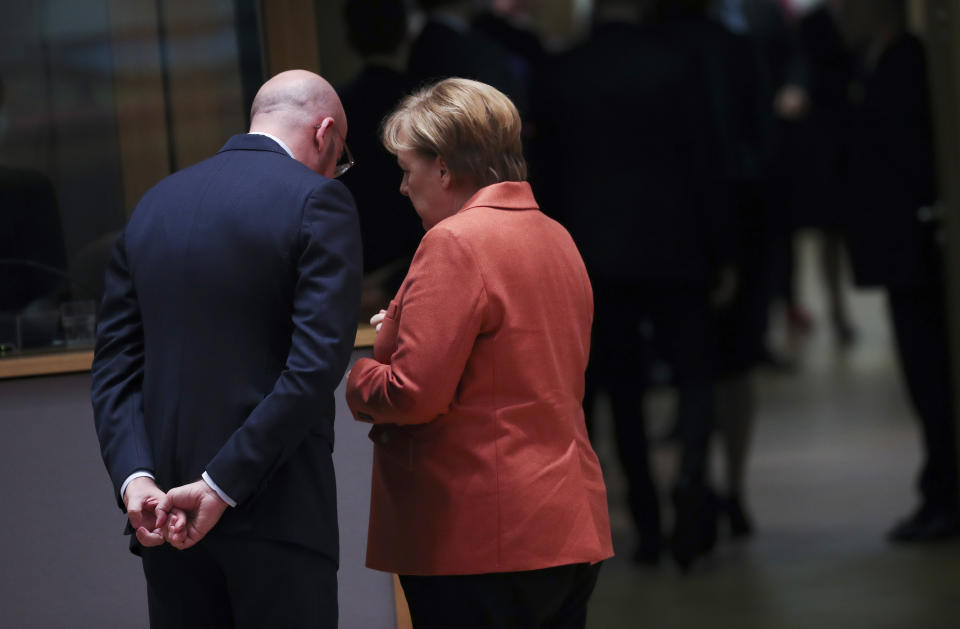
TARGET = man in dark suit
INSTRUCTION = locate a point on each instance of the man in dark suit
(447, 46)
(894, 242)
(227, 321)
(377, 31)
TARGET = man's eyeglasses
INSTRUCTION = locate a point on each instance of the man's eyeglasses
(345, 161)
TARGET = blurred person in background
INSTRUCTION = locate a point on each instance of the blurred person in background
(377, 31)
(807, 70)
(447, 46)
(824, 153)
(632, 151)
(510, 24)
(740, 101)
(488, 499)
(787, 78)
(894, 243)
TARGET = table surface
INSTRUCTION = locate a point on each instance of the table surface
(71, 361)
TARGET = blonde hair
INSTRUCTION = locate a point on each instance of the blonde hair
(475, 128)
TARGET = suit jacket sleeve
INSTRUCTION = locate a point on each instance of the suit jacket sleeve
(117, 376)
(443, 310)
(325, 310)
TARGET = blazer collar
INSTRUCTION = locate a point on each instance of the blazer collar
(252, 142)
(508, 195)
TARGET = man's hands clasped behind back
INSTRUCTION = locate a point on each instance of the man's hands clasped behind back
(188, 513)
(181, 517)
(141, 498)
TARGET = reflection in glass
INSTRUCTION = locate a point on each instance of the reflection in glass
(99, 100)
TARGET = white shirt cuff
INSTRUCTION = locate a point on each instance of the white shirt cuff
(223, 496)
(137, 474)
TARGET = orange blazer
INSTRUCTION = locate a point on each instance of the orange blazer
(481, 457)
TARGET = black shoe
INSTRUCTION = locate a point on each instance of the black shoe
(926, 525)
(647, 554)
(844, 333)
(777, 362)
(741, 525)
(671, 435)
(695, 524)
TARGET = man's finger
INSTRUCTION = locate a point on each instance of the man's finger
(162, 508)
(178, 521)
(175, 532)
(136, 517)
(149, 538)
(183, 540)
(177, 538)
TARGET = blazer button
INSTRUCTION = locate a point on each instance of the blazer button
(384, 438)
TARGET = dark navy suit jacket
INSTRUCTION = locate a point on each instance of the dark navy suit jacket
(228, 320)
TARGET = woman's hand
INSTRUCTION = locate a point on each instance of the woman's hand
(377, 320)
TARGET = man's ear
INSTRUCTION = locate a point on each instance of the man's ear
(321, 133)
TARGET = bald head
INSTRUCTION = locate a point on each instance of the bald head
(292, 105)
(294, 97)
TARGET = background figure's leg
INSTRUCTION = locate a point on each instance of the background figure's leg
(620, 361)
(831, 255)
(920, 329)
(695, 505)
(684, 324)
(736, 409)
(633, 448)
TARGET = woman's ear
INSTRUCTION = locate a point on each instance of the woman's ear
(445, 177)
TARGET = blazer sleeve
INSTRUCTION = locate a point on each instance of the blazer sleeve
(442, 312)
(117, 375)
(325, 310)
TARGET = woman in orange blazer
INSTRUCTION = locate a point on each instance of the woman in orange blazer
(487, 498)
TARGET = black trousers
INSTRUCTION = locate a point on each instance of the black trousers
(552, 598)
(634, 325)
(920, 328)
(228, 582)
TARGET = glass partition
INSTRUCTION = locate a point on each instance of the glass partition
(99, 99)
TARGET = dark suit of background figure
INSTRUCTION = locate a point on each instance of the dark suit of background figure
(628, 113)
(740, 99)
(227, 323)
(391, 230)
(738, 95)
(784, 65)
(829, 71)
(893, 244)
(30, 232)
(739, 124)
(820, 152)
(524, 53)
(517, 41)
(446, 48)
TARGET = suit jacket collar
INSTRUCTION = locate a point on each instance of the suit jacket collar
(252, 142)
(507, 195)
